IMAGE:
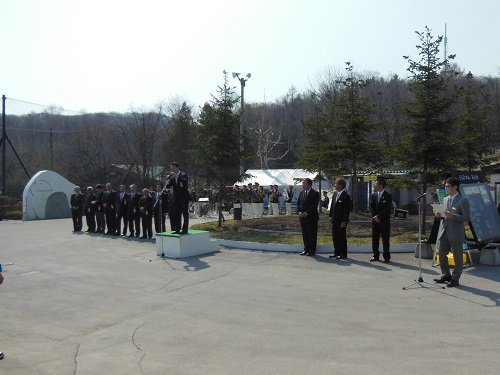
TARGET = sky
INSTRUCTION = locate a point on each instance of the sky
(119, 55)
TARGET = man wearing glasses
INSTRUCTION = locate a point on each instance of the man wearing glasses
(451, 234)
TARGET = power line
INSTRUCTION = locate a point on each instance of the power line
(62, 109)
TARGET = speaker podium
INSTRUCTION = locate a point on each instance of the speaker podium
(177, 246)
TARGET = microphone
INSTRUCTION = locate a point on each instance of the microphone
(421, 196)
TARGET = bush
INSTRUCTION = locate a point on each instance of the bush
(10, 209)
(13, 215)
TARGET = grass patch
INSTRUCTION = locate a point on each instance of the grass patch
(286, 230)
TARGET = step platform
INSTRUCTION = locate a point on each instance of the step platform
(177, 246)
(490, 254)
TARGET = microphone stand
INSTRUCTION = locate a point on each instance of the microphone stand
(162, 256)
(419, 282)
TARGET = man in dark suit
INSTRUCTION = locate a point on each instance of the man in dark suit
(77, 202)
(160, 208)
(380, 207)
(122, 210)
(451, 234)
(90, 210)
(340, 209)
(108, 203)
(307, 209)
(99, 210)
(178, 181)
(133, 212)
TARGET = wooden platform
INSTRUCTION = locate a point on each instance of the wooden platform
(177, 246)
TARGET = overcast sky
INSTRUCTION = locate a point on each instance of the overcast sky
(112, 55)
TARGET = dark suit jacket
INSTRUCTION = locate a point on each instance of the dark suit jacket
(122, 203)
(133, 204)
(77, 201)
(89, 207)
(146, 203)
(339, 211)
(308, 204)
(109, 200)
(383, 208)
(180, 188)
(162, 201)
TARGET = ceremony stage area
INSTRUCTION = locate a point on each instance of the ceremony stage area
(91, 304)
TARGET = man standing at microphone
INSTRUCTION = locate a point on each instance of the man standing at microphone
(451, 233)
(178, 181)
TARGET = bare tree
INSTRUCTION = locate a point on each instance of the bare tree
(140, 134)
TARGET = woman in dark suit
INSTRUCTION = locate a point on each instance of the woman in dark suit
(146, 209)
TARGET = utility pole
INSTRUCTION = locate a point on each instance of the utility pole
(3, 144)
(242, 125)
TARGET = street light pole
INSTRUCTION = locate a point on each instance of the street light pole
(242, 125)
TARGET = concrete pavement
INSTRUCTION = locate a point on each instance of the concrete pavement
(91, 304)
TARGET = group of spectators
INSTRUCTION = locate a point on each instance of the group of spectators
(252, 198)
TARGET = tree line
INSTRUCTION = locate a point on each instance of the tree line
(439, 118)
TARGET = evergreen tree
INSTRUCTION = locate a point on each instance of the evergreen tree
(471, 137)
(316, 152)
(217, 146)
(353, 126)
(426, 145)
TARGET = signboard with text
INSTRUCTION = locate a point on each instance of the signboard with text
(484, 216)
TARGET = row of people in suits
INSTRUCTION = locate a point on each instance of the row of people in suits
(118, 212)
(340, 207)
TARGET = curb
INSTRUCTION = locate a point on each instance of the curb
(321, 249)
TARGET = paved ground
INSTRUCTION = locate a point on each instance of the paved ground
(88, 304)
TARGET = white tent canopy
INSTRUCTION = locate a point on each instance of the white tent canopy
(283, 177)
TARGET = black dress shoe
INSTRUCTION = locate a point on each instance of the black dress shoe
(144, 237)
(130, 235)
(443, 279)
(2, 355)
(452, 283)
(387, 261)
(304, 253)
(184, 232)
(310, 254)
(333, 256)
(374, 259)
(342, 257)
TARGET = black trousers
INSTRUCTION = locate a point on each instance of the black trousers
(309, 236)
(381, 230)
(76, 215)
(111, 221)
(147, 226)
(90, 218)
(339, 237)
(180, 210)
(159, 219)
(101, 221)
(134, 224)
(119, 217)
